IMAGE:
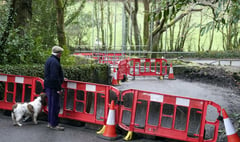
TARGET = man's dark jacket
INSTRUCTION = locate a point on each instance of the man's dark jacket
(53, 74)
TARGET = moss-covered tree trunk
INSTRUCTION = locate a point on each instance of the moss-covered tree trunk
(20, 15)
(60, 23)
(9, 25)
(146, 22)
(211, 38)
(23, 9)
(137, 35)
(132, 11)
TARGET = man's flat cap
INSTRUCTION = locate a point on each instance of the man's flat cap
(57, 49)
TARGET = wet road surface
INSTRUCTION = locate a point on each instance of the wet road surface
(40, 133)
(225, 97)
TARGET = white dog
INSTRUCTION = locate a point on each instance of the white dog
(30, 109)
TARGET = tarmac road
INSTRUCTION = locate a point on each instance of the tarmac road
(40, 133)
(225, 97)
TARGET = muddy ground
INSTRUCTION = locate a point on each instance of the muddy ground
(222, 76)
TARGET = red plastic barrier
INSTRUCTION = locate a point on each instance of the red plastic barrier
(108, 58)
(168, 116)
(111, 59)
(147, 67)
(138, 111)
(16, 88)
(87, 102)
(123, 69)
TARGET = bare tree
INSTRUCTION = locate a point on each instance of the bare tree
(102, 24)
(132, 11)
(146, 21)
(109, 19)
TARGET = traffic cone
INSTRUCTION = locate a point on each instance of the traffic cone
(171, 75)
(114, 78)
(231, 133)
(110, 128)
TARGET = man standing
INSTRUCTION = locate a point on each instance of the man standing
(53, 79)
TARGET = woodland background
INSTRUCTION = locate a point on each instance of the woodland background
(28, 29)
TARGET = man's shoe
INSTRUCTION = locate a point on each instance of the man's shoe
(58, 128)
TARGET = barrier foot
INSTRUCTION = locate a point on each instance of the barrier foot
(128, 137)
(101, 131)
(161, 77)
(119, 82)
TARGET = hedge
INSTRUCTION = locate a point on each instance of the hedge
(95, 73)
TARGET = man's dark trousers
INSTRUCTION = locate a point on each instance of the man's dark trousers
(53, 106)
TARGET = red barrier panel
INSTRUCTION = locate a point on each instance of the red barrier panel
(87, 102)
(123, 68)
(16, 88)
(168, 116)
(147, 67)
(109, 58)
(137, 111)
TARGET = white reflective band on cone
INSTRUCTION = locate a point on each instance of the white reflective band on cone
(115, 75)
(111, 117)
(229, 127)
(171, 70)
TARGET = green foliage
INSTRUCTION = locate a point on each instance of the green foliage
(96, 73)
(208, 54)
(4, 11)
(43, 23)
(22, 49)
(219, 54)
(82, 60)
(205, 29)
(29, 46)
(234, 11)
(26, 70)
(78, 31)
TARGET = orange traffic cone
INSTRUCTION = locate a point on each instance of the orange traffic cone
(114, 78)
(171, 75)
(231, 133)
(110, 129)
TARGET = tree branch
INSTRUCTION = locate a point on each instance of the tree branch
(127, 7)
(162, 29)
(209, 5)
